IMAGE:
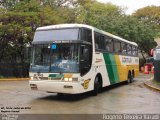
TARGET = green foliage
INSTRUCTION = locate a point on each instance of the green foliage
(150, 15)
(27, 6)
(20, 18)
(112, 19)
(134, 30)
(95, 13)
(1, 76)
(8, 3)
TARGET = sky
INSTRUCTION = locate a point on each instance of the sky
(132, 5)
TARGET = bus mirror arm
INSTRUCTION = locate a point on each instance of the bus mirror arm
(83, 60)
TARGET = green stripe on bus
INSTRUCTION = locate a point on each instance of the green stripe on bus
(111, 68)
(55, 75)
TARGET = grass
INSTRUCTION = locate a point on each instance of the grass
(156, 82)
(1, 76)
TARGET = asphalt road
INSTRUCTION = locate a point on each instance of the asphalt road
(16, 96)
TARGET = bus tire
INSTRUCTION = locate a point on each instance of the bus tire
(60, 95)
(130, 78)
(133, 74)
(96, 86)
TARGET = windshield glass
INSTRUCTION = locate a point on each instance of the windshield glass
(64, 58)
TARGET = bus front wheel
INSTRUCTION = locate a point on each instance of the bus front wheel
(96, 86)
(60, 95)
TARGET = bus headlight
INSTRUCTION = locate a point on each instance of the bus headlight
(70, 79)
(31, 78)
(66, 79)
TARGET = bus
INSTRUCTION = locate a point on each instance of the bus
(78, 58)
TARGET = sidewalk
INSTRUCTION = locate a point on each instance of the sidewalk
(152, 84)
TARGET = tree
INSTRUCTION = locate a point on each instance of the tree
(134, 30)
(20, 18)
(112, 19)
(150, 15)
(96, 14)
(8, 3)
(18, 24)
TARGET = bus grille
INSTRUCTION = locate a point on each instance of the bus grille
(45, 78)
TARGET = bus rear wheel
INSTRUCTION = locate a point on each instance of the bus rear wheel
(130, 78)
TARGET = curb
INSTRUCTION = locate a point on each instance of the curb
(150, 78)
(15, 79)
(152, 87)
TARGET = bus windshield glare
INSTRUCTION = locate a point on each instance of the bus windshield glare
(64, 58)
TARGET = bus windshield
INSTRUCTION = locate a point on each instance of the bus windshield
(65, 58)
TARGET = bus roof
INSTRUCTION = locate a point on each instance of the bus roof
(59, 26)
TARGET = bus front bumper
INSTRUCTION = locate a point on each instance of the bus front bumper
(57, 87)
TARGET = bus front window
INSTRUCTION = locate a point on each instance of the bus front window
(40, 58)
(63, 59)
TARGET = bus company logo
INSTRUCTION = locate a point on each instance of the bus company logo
(86, 84)
(98, 60)
(38, 75)
(126, 60)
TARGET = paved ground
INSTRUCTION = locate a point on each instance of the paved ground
(153, 84)
(132, 98)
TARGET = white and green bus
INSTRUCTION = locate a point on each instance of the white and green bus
(77, 58)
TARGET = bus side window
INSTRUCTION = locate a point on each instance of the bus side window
(96, 45)
(133, 50)
(96, 37)
(117, 46)
(108, 44)
(129, 49)
(136, 51)
(99, 41)
(124, 48)
(86, 35)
